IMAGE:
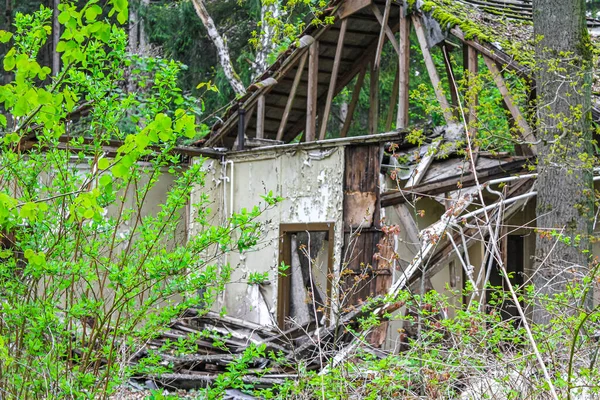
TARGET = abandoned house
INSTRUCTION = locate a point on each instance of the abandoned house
(353, 202)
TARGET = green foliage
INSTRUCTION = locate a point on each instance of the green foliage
(93, 262)
(447, 348)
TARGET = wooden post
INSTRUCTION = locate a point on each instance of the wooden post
(433, 75)
(332, 82)
(290, 101)
(384, 25)
(524, 128)
(373, 100)
(388, 31)
(472, 70)
(354, 101)
(311, 100)
(471, 63)
(260, 117)
(393, 101)
(451, 80)
(403, 70)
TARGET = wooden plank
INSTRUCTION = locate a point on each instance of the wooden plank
(260, 117)
(451, 80)
(311, 100)
(451, 183)
(424, 164)
(524, 129)
(384, 24)
(471, 64)
(374, 100)
(388, 31)
(362, 60)
(433, 75)
(248, 116)
(495, 54)
(332, 83)
(393, 101)
(472, 70)
(403, 70)
(292, 96)
(353, 101)
(287, 64)
(349, 7)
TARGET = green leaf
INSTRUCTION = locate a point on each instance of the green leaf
(64, 17)
(61, 46)
(44, 97)
(5, 36)
(119, 170)
(89, 213)
(21, 108)
(105, 180)
(9, 60)
(103, 163)
(92, 12)
(122, 17)
(120, 5)
(2, 121)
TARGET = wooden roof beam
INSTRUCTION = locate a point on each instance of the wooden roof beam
(524, 129)
(334, 74)
(290, 102)
(433, 75)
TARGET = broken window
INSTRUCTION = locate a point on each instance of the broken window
(305, 286)
(513, 256)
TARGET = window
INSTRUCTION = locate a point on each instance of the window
(304, 288)
(514, 256)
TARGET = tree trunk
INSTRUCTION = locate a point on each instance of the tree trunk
(55, 38)
(270, 12)
(565, 187)
(222, 50)
(143, 45)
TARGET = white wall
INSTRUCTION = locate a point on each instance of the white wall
(311, 182)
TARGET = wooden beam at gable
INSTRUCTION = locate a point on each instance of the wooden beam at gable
(353, 101)
(524, 129)
(332, 83)
(382, 34)
(451, 79)
(421, 169)
(349, 7)
(431, 70)
(260, 118)
(403, 70)
(361, 62)
(393, 101)
(471, 65)
(291, 97)
(373, 100)
(311, 100)
(388, 31)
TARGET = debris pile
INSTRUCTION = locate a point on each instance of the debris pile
(220, 340)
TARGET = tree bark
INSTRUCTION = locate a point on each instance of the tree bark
(55, 38)
(565, 186)
(222, 49)
(270, 12)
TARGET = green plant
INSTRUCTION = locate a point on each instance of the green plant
(93, 261)
(257, 278)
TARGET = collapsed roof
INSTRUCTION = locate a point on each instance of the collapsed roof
(500, 30)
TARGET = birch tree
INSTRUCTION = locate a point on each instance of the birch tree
(222, 49)
(271, 14)
(565, 187)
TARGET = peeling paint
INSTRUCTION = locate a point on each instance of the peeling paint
(311, 182)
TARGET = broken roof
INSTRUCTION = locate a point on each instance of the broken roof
(499, 29)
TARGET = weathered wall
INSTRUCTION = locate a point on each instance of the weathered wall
(310, 181)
